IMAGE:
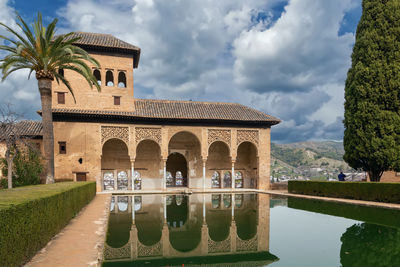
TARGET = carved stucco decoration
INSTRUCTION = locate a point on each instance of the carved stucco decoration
(219, 135)
(218, 247)
(148, 133)
(111, 253)
(247, 245)
(247, 135)
(149, 251)
(109, 132)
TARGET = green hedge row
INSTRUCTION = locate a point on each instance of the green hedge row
(30, 216)
(380, 192)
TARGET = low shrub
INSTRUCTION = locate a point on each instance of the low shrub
(31, 215)
(380, 192)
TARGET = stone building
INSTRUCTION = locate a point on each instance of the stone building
(117, 140)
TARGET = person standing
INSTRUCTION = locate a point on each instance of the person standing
(341, 176)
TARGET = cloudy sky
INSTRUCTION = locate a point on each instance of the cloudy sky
(286, 58)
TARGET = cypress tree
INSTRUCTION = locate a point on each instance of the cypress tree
(372, 92)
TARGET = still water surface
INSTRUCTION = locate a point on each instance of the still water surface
(248, 230)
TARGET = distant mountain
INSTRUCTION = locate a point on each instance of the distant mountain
(306, 153)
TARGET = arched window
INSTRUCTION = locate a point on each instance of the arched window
(178, 178)
(227, 179)
(138, 181)
(108, 181)
(121, 79)
(122, 180)
(238, 180)
(227, 201)
(61, 72)
(216, 180)
(97, 75)
(170, 179)
(109, 78)
(215, 201)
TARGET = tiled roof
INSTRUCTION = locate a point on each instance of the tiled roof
(25, 128)
(185, 110)
(101, 40)
(105, 42)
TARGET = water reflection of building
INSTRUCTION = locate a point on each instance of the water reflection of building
(178, 226)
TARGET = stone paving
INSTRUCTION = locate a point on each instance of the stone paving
(81, 242)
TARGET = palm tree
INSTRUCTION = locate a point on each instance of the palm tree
(39, 50)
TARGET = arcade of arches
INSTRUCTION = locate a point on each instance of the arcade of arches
(136, 157)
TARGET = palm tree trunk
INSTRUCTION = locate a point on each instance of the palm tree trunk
(47, 121)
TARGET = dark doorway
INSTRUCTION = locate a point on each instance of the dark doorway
(177, 167)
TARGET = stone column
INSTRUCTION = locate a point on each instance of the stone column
(115, 180)
(204, 174)
(233, 206)
(133, 209)
(164, 182)
(233, 174)
(133, 174)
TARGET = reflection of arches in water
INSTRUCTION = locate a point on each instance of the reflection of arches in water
(119, 226)
(215, 201)
(215, 180)
(218, 220)
(112, 204)
(122, 180)
(177, 211)
(185, 233)
(238, 200)
(137, 203)
(149, 221)
(227, 200)
(169, 199)
(227, 179)
(122, 203)
(108, 181)
(246, 218)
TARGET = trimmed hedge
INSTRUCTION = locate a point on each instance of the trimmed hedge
(30, 216)
(380, 192)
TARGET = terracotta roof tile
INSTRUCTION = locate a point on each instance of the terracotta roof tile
(101, 40)
(189, 110)
(25, 128)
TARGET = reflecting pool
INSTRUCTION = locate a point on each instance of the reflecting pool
(248, 230)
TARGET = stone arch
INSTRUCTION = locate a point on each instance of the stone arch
(109, 78)
(97, 75)
(247, 163)
(175, 132)
(218, 159)
(177, 165)
(122, 79)
(148, 162)
(115, 132)
(218, 222)
(246, 218)
(189, 145)
(251, 136)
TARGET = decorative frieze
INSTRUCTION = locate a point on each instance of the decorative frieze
(149, 251)
(247, 135)
(247, 245)
(109, 132)
(219, 135)
(148, 133)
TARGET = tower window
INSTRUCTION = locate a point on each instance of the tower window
(60, 97)
(97, 75)
(117, 100)
(109, 78)
(121, 80)
(62, 147)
